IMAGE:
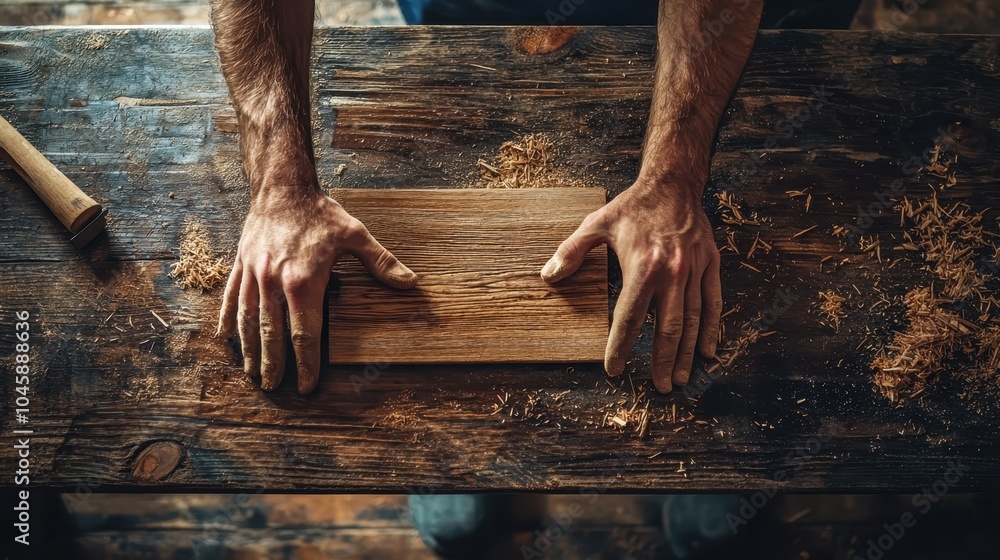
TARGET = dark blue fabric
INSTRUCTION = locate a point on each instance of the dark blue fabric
(778, 14)
(456, 526)
(413, 10)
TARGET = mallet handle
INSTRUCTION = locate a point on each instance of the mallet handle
(73, 208)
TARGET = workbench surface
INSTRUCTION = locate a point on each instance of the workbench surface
(133, 114)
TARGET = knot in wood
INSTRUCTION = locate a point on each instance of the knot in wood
(541, 40)
(157, 461)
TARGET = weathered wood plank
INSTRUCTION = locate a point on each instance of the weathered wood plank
(797, 406)
(480, 298)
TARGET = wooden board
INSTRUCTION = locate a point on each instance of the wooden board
(404, 108)
(481, 298)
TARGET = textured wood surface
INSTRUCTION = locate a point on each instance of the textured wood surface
(481, 298)
(414, 108)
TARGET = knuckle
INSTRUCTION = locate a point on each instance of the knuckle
(384, 259)
(571, 246)
(295, 282)
(304, 338)
(268, 330)
(669, 331)
(665, 337)
(664, 363)
(675, 265)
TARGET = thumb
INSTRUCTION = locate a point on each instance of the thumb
(570, 254)
(382, 264)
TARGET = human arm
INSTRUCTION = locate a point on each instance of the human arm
(293, 233)
(658, 226)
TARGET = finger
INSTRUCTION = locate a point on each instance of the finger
(570, 254)
(230, 301)
(249, 325)
(306, 320)
(667, 334)
(272, 335)
(689, 329)
(630, 312)
(379, 261)
(711, 311)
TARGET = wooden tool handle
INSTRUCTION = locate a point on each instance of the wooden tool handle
(73, 208)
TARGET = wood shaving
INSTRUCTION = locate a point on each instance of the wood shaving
(831, 308)
(198, 265)
(731, 212)
(527, 163)
(933, 336)
(950, 238)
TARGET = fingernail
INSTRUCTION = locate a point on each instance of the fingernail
(551, 267)
(403, 274)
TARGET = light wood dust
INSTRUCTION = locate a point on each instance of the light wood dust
(830, 306)
(956, 317)
(527, 163)
(198, 265)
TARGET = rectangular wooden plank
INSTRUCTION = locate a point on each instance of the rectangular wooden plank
(480, 298)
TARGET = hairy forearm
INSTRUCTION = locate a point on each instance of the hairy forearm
(703, 46)
(264, 47)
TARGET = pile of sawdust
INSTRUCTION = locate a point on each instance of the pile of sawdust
(960, 320)
(198, 265)
(831, 308)
(988, 357)
(933, 338)
(527, 163)
(950, 239)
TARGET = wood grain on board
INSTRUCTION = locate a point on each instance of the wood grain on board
(480, 298)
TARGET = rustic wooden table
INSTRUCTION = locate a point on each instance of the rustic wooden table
(133, 114)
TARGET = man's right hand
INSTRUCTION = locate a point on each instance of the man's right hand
(291, 239)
